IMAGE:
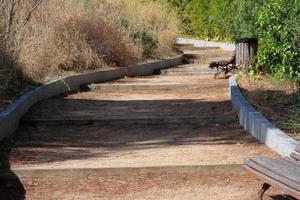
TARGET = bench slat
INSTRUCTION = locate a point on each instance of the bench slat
(279, 170)
(274, 183)
(298, 149)
(280, 164)
(295, 156)
(292, 161)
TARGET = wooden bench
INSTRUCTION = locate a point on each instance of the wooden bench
(282, 173)
(223, 66)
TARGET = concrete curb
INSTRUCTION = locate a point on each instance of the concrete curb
(257, 125)
(204, 43)
(9, 118)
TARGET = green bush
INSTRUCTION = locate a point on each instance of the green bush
(245, 18)
(198, 16)
(278, 31)
(207, 19)
(222, 15)
(276, 23)
(180, 6)
(148, 41)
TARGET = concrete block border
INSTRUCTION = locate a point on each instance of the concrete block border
(257, 125)
(204, 43)
(9, 118)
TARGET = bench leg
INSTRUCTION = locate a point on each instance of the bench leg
(261, 193)
(217, 73)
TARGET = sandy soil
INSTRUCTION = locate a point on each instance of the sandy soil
(135, 104)
(132, 146)
(189, 186)
(141, 103)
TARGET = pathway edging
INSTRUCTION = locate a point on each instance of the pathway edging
(204, 43)
(9, 118)
(257, 125)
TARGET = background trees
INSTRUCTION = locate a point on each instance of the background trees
(276, 24)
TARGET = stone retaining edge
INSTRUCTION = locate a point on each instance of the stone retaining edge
(204, 43)
(9, 118)
(257, 125)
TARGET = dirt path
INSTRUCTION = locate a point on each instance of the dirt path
(163, 186)
(173, 119)
(134, 145)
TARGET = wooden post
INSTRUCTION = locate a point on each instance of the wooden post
(246, 50)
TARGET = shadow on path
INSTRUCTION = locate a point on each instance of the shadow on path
(62, 108)
(60, 143)
(11, 187)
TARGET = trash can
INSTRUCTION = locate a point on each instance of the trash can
(246, 50)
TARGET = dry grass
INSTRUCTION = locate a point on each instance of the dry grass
(277, 100)
(67, 36)
(78, 34)
(64, 35)
(153, 17)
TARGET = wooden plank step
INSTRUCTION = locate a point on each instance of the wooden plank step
(189, 69)
(192, 47)
(152, 86)
(128, 120)
(182, 73)
(84, 172)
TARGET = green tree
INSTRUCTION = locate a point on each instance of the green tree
(278, 30)
(245, 18)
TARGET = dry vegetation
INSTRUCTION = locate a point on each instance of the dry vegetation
(78, 34)
(279, 101)
(44, 39)
(73, 38)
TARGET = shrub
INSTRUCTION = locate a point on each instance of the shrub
(245, 19)
(276, 23)
(75, 35)
(148, 41)
(278, 27)
(208, 19)
(222, 15)
(198, 15)
(149, 22)
(65, 35)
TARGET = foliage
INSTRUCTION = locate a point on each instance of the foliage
(245, 19)
(207, 19)
(180, 7)
(279, 31)
(293, 121)
(153, 22)
(148, 41)
(276, 23)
